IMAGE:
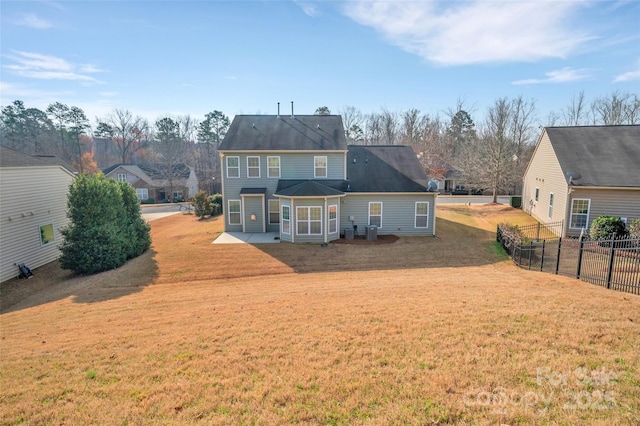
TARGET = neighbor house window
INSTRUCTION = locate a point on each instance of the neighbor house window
(274, 212)
(273, 167)
(422, 214)
(286, 219)
(550, 205)
(235, 217)
(253, 167)
(375, 214)
(309, 220)
(233, 167)
(333, 218)
(46, 234)
(537, 193)
(142, 193)
(177, 196)
(320, 167)
(122, 177)
(579, 213)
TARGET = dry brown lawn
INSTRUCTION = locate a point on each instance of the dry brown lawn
(421, 331)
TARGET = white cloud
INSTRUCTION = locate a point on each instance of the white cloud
(564, 75)
(308, 8)
(460, 33)
(32, 21)
(46, 67)
(629, 76)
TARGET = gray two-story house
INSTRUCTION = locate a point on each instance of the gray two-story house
(296, 175)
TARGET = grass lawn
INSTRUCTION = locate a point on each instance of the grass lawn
(421, 331)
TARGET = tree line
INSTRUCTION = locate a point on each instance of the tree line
(489, 150)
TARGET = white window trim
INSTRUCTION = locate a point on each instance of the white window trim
(285, 220)
(277, 210)
(537, 194)
(269, 167)
(309, 220)
(571, 213)
(229, 212)
(334, 221)
(233, 167)
(551, 201)
(326, 167)
(369, 213)
(253, 167)
(43, 244)
(415, 222)
(122, 177)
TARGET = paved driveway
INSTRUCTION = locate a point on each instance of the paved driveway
(157, 211)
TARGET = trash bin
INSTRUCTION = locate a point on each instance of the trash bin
(348, 234)
(372, 232)
(516, 201)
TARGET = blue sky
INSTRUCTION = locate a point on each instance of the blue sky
(242, 57)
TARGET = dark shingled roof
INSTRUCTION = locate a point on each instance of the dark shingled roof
(389, 168)
(253, 191)
(155, 171)
(273, 133)
(311, 188)
(10, 157)
(607, 156)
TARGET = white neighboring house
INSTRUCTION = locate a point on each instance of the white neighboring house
(33, 206)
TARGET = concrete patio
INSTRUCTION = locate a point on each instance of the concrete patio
(247, 238)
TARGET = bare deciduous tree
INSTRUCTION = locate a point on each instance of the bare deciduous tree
(125, 131)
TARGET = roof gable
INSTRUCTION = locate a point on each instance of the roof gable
(390, 168)
(284, 133)
(606, 156)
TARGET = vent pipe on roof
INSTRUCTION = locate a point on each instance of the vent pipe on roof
(292, 116)
(278, 110)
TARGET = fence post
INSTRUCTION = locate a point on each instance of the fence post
(530, 250)
(558, 255)
(611, 258)
(542, 256)
(538, 232)
(580, 247)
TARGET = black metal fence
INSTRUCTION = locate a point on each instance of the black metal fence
(613, 263)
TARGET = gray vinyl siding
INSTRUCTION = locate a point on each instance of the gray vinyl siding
(398, 212)
(609, 202)
(292, 166)
(544, 172)
(31, 197)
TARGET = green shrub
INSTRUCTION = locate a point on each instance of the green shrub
(216, 200)
(604, 227)
(106, 227)
(149, 200)
(634, 228)
(201, 205)
(215, 209)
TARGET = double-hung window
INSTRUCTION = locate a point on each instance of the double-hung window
(320, 167)
(142, 193)
(286, 219)
(537, 194)
(579, 213)
(274, 211)
(550, 205)
(308, 220)
(273, 167)
(375, 213)
(253, 167)
(233, 167)
(333, 218)
(122, 177)
(235, 216)
(422, 214)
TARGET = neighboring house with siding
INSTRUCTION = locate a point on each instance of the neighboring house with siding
(295, 175)
(33, 209)
(577, 174)
(150, 181)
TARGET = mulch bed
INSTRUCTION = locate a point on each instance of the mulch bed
(360, 240)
